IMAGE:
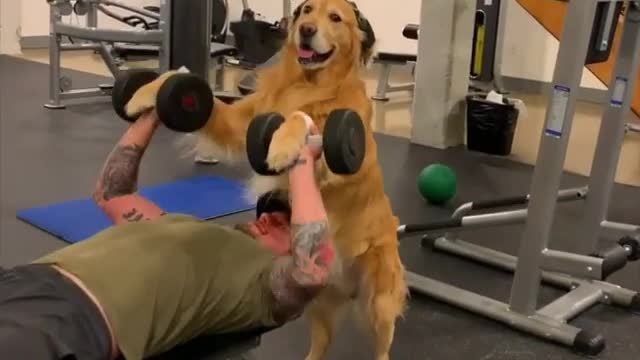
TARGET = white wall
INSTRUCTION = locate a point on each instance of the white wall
(530, 51)
(9, 26)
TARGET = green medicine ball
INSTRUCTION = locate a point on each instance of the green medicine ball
(437, 183)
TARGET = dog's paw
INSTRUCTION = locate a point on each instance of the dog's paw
(287, 142)
(145, 98)
(283, 151)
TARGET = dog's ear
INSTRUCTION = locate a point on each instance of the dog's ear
(297, 12)
(369, 39)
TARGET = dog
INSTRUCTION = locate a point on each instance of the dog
(328, 45)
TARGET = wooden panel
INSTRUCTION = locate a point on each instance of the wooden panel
(551, 13)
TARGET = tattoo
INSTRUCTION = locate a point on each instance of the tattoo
(295, 280)
(134, 216)
(308, 240)
(120, 174)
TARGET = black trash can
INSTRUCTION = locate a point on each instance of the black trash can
(490, 125)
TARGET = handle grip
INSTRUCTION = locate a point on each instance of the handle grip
(315, 140)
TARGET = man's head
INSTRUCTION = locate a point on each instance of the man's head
(330, 31)
(273, 223)
(271, 229)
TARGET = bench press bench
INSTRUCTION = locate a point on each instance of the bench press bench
(216, 347)
(389, 59)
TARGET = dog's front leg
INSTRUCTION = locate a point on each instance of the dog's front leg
(287, 142)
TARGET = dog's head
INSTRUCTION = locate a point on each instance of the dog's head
(325, 30)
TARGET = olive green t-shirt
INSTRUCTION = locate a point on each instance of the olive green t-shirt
(167, 281)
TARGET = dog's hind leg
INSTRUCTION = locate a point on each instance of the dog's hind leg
(323, 315)
(386, 295)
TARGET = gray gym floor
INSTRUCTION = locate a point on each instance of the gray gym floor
(49, 156)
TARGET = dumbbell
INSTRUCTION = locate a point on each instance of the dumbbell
(343, 141)
(184, 101)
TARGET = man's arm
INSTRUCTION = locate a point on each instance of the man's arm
(297, 279)
(118, 182)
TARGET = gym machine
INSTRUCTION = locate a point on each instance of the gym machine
(257, 40)
(632, 128)
(484, 67)
(177, 37)
(247, 84)
(583, 274)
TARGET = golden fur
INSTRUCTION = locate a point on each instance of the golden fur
(364, 227)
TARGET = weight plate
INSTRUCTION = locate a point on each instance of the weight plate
(258, 140)
(185, 103)
(126, 84)
(344, 142)
(65, 8)
(81, 8)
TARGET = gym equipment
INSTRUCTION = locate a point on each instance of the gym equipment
(343, 141)
(487, 39)
(205, 197)
(258, 40)
(437, 183)
(583, 273)
(632, 128)
(184, 102)
(173, 34)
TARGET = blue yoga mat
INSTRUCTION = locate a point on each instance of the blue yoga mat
(205, 197)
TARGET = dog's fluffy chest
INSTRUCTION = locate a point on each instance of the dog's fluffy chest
(346, 277)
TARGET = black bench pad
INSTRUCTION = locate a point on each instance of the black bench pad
(396, 57)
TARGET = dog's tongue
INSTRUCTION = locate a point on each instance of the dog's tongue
(305, 54)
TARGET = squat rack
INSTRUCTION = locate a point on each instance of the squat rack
(583, 273)
(181, 39)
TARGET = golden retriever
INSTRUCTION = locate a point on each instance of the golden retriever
(319, 72)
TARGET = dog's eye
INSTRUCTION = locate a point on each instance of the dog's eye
(307, 9)
(335, 17)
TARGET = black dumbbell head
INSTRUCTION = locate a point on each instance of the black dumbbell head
(184, 103)
(344, 142)
(126, 84)
(259, 137)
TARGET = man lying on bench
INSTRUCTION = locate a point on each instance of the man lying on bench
(157, 280)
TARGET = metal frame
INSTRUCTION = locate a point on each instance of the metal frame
(632, 128)
(99, 40)
(384, 86)
(581, 274)
(103, 41)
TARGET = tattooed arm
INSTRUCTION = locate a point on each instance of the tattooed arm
(118, 182)
(297, 279)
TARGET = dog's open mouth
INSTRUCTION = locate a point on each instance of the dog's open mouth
(308, 56)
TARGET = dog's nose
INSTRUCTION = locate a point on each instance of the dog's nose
(308, 30)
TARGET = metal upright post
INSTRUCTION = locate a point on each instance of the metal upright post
(54, 60)
(92, 15)
(549, 166)
(612, 132)
(165, 24)
(191, 35)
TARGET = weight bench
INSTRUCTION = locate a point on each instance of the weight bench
(216, 347)
(386, 61)
(632, 128)
(389, 59)
(219, 51)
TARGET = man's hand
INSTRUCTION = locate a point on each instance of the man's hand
(312, 151)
